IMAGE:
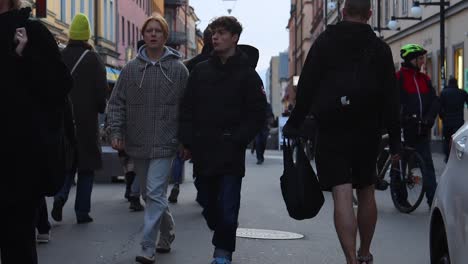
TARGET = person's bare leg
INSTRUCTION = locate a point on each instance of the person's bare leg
(367, 218)
(345, 220)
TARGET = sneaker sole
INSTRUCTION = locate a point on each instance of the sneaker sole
(163, 250)
(144, 260)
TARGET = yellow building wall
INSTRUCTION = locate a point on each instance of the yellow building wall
(158, 6)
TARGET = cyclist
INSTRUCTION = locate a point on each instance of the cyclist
(419, 108)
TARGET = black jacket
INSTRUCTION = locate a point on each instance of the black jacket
(222, 110)
(34, 89)
(88, 98)
(452, 101)
(334, 54)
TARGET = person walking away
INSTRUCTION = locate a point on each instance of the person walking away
(452, 104)
(419, 108)
(35, 82)
(262, 137)
(348, 83)
(217, 131)
(88, 98)
(143, 112)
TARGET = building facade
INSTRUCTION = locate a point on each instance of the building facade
(131, 15)
(176, 14)
(275, 88)
(300, 41)
(426, 32)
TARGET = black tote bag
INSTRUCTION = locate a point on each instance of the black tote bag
(299, 184)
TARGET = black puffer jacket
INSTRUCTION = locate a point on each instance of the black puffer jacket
(374, 100)
(222, 110)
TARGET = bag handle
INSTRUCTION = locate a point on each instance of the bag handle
(78, 61)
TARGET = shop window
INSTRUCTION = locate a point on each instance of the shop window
(458, 69)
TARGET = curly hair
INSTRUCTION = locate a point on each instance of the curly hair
(228, 23)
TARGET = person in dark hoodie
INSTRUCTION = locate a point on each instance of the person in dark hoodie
(419, 108)
(35, 82)
(348, 83)
(222, 110)
(142, 113)
(452, 104)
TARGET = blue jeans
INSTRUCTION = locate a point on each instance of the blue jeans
(423, 148)
(221, 212)
(177, 169)
(154, 175)
(84, 187)
(260, 143)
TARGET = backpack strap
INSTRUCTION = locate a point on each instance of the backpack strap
(78, 61)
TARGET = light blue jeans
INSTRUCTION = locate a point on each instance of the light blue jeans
(154, 177)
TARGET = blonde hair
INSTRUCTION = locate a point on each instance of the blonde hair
(160, 19)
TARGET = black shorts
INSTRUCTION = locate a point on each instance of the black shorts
(345, 161)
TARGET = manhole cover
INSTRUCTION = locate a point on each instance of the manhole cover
(267, 234)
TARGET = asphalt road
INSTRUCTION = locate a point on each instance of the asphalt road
(113, 238)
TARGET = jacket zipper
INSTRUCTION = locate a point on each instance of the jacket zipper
(419, 96)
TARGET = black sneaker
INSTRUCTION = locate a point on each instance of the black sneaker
(56, 212)
(135, 204)
(174, 194)
(84, 219)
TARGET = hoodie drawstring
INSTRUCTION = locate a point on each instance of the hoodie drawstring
(143, 77)
(160, 66)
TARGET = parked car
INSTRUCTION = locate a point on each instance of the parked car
(449, 213)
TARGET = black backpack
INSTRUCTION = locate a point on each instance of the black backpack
(349, 90)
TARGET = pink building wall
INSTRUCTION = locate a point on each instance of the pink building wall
(133, 13)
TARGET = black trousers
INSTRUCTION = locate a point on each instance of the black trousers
(42, 217)
(17, 231)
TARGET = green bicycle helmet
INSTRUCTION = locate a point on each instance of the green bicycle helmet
(411, 51)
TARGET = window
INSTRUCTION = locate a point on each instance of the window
(458, 70)
(387, 11)
(404, 7)
(138, 33)
(105, 19)
(63, 11)
(128, 33)
(73, 11)
(133, 35)
(123, 30)
(81, 6)
(91, 13)
(112, 23)
(439, 81)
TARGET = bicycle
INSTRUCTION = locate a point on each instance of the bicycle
(406, 181)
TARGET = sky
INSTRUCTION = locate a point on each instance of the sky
(264, 23)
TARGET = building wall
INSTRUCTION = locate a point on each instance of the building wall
(192, 47)
(131, 16)
(158, 6)
(60, 14)
(275, 92)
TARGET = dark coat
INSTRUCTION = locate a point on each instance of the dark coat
(34, 89)
(88, 99)
(222, 110)
(335, 54)
(452, 102)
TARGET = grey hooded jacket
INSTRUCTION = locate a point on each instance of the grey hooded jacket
(144, 106)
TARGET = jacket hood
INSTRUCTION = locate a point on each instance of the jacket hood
(169, 54)
(252, 54)
(355, 35)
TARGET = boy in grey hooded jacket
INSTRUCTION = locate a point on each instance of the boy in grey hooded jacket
(143, 112)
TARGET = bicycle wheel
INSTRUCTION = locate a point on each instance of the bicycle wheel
(407, 186)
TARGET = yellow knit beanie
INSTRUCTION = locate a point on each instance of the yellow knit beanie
(79, 29)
